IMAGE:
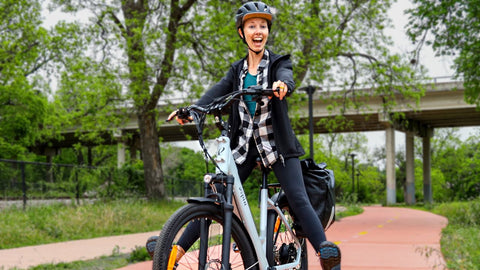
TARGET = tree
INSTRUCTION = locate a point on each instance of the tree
(455, 27)
(23, 93)
(135, 44)
(458, 162)
(178, 48)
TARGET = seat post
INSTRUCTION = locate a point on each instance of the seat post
(265, 172)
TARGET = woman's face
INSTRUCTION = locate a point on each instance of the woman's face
(256, 33)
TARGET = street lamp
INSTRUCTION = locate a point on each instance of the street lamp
(310, 90)
(352, 155)
(358, 182)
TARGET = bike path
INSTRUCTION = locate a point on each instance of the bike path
(386, 238)
(389, 238)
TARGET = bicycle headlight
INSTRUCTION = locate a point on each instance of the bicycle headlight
(207, 178)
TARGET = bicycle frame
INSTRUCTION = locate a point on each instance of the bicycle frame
(226, 164)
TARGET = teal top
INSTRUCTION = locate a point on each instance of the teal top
(249, 81)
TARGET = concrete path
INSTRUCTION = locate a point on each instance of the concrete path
(78, 250)
(386, 238)
(390, 238)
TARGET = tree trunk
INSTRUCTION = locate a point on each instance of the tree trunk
(152, 164)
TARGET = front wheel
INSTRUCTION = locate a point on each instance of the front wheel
(281, 246)
(206, 254)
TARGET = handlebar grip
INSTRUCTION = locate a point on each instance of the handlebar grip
(182, 113)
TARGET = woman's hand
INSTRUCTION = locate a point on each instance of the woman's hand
(181, 117)
(282, 89)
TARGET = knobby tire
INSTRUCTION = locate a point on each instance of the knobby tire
(242, 255)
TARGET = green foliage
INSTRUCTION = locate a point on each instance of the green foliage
(134, 54)
(453, 26)
(111, 182)
(440, 193)
(184, 170)
(461, 169)
(23, 100)
(334, 150)
(56, 223)
(351, 209)
(461, 238)
(105, 263)
(460, 247)
(130, 55)
(139, 254)
(463, 213)
(459, 164)
(91, 97)
(183, 163)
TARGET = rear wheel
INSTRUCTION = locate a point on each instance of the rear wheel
(242, 255)
(281, 246)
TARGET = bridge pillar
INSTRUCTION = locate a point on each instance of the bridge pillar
(390, 165)
(120, 154)
(410, 168)
(427, 176)
(118, 134)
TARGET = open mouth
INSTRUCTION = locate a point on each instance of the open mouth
(258, 41)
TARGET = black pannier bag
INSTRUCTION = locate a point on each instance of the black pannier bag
(320, 185)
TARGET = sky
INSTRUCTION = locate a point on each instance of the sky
(437, 66)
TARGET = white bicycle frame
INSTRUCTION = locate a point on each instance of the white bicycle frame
(226, 164)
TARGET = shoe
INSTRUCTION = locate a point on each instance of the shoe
(151, 243)
(330, 256)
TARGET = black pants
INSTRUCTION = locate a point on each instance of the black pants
(289, 175)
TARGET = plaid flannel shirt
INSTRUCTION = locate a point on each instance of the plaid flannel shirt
(258, 126)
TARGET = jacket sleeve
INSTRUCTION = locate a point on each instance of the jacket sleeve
(221, 88)
(284, 73)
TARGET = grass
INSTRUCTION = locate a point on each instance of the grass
(112, 262)
(349, 210)
(461, 238)
(60, 222)
(57, 223)
(460, 241)
(103, 263)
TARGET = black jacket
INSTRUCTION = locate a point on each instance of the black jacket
(280, 68)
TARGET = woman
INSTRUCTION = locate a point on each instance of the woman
(272, 140)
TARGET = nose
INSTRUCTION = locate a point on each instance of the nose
(258, 30)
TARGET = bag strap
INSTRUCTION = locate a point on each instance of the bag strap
(310, 164)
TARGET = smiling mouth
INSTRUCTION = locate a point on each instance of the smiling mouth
(258, 41)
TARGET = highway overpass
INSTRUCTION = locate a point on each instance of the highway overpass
(442, 106)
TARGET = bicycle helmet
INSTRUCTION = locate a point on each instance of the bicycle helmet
(253, 10)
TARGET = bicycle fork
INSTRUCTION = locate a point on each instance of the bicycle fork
(227, 223)
(227, 206)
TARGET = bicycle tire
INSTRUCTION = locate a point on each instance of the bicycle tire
(243, 258)
(281, 247)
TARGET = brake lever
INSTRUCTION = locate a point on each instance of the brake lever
(182, 113)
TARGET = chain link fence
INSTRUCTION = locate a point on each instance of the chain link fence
(21, 181)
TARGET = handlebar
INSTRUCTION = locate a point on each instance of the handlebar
(217, 105)
(198, 113)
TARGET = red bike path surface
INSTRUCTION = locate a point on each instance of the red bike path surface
(387, 238)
